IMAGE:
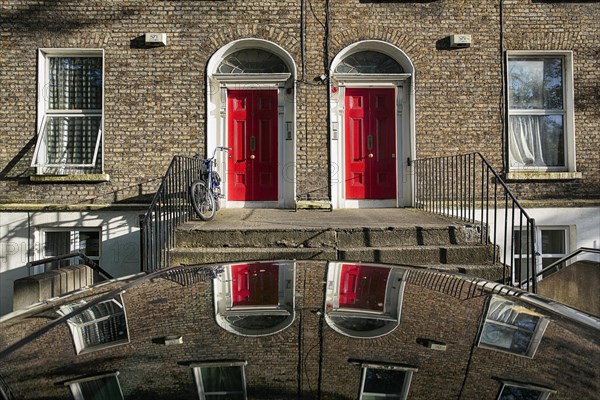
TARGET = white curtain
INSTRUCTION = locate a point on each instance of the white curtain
(525, 141)
(75, 83)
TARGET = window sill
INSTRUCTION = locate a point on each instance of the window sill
(542, 176)
(83, 178)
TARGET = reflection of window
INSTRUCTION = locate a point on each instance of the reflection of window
(385, 382)
(368, 62)
(98, 326)
(363, 300)
(70, 115)
(551, 242)
(220, 381)
(62, 242)
(518, 391)
(96, 388)
(512, 328)
(255, 299)
(540, 111)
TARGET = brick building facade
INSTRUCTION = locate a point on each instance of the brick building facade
(172, 329)
(156, 102)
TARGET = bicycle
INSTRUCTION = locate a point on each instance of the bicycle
(205, 191)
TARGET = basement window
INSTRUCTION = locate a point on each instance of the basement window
(98, 326)
(255, 299)
(220, 380)
(96, 387)
(59, 242)
(364, 300)
(512, 328)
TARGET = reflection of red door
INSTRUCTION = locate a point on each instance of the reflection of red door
(255, 284)
(363, 287)
(252, 135)
(370, 143)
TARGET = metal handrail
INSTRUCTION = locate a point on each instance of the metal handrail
(468, 188)
(86, 260)
(566, 258)
(170, 207)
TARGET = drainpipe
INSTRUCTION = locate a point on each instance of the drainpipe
(504, 100)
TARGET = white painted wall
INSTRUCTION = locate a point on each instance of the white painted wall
(584, 223)
(21, 242)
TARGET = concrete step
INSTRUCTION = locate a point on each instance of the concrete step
(205, 255)
(189, 237)
(411, 255)
(420, 255)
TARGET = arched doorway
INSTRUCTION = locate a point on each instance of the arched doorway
(251, 108)
(372, 126)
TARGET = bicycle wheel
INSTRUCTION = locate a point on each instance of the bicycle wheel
(202, 200)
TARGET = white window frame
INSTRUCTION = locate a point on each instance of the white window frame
(536, 334)
(197, 370)
(75, 385)
(568, 233)
(568, 111)
(75, 327)
(405, 385)
(44, 112)
(544, 392)
(74, 233)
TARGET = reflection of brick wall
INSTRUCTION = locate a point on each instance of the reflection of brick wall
(155, 97)
(302, 357)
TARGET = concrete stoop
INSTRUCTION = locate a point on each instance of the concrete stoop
(454, 248)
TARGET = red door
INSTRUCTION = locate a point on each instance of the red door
(252, 136)
(363, 287)
(370, 143)
(255, 284)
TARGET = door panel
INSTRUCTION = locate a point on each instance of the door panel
(255, 284)
(253, 136)
(363, 287)
(370, 143)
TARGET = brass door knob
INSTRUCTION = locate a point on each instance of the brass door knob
(370, 155)
(252, 157)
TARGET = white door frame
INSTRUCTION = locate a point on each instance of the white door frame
(405, 123)
(217, 121)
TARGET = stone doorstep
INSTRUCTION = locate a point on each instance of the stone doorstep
(412, 255)
(328, 238)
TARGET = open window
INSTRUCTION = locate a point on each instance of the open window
(220, 380)
(96, 387)
(70, 112)
(59, 242)
(255, 299)
(98, 326)
(512, 328)
(364, 300)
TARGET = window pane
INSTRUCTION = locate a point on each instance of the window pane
(89, 243)
(249, 61)
(384, 381)
(57, 244)
(106, 388)
(368, 62)
(553, 241)
(222, 379)
(71, 140)
(537, 140)
(518, 393)
(75, 83)
(105, 331)
(535, 84)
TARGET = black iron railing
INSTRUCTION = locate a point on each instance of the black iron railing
(467, 187)
(169, 208)
(566, 261)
